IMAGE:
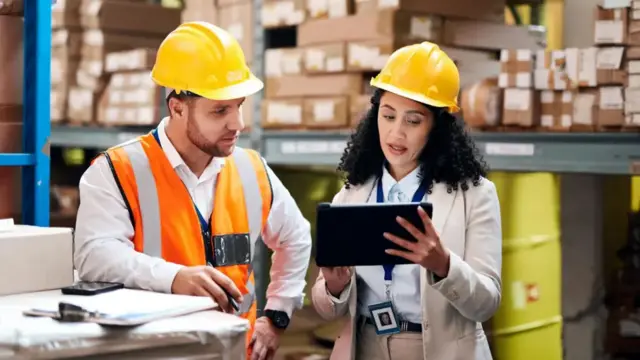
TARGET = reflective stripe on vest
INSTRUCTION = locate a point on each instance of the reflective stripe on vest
(150, 213)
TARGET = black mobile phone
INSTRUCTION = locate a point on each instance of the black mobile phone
(88, 288)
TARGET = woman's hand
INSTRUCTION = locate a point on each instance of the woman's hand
(336, 278)
(428, 251)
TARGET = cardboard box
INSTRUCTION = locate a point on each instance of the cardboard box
(369, 55)
(566, 69)
(248, 113)
(633, 52)
(280, 13)
(632, 101)
(59, 101)
(521, 107)
(611, 26)
(633, 35)
(66, 44)
(488, 10)
(314, 85)
(66, 14)
(200, 10)
(326, 112)
(611, 106)
(131, 98)
(96, 44)
(283, 62)
(138, 59)
(359, 105)
(632, 120)
(82, 105)
(610, 66)
(238, 21)
(481, 103)
(556, 109)
(282, 113)
(487, 35)
(474, 65)
(325, 58)
(516, 68)
(321, 9)
(585, 110)
(50, 248)
(63, 72)
(384, 24)
(126, 17)
(86, 80)
(633, 70)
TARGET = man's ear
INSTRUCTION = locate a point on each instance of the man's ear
(176, 107)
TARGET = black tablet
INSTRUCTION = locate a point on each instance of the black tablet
(351, 235)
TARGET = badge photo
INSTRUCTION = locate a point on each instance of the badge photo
(384, 318)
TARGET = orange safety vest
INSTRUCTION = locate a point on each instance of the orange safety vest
(164, 216)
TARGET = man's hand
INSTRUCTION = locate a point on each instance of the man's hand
(206, 281)
(265, 340)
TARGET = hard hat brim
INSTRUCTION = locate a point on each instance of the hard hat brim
(452, 108)
(246, 88)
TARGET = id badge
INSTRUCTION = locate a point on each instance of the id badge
(231, 249)
(384, 318)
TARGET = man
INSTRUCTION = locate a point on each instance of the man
(144, 205)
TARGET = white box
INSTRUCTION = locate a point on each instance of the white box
(35, 259)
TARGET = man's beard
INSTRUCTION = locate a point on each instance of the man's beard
(195, 136)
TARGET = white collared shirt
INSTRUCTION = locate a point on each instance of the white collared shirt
(405, 286)
(104, 250)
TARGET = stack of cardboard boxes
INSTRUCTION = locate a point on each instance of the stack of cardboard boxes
(632, 92)
(89, 30)
(578, 89)
(66, 40)
(322, 82)
(131, 97)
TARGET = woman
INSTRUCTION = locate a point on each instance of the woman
(409, 143)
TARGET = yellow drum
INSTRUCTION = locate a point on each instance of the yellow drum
(528, 325)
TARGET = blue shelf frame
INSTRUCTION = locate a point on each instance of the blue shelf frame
(35, 159)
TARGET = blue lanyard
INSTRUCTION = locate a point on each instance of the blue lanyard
(417, 197)
(204, 224)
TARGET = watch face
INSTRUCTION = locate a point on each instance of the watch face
(280, 320)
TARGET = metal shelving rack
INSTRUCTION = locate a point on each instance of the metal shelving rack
(582, 153)
(579, 153)
(34, 158)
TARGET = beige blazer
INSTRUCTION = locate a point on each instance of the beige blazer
(454, 308)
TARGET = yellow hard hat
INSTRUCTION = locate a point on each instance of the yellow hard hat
(421, 72)
(206, 60)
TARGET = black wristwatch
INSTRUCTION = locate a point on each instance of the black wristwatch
(279, 319)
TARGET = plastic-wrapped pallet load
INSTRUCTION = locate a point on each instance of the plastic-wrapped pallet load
(143, 325)
(11, 70)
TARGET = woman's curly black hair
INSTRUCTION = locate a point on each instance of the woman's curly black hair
(450, 155)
